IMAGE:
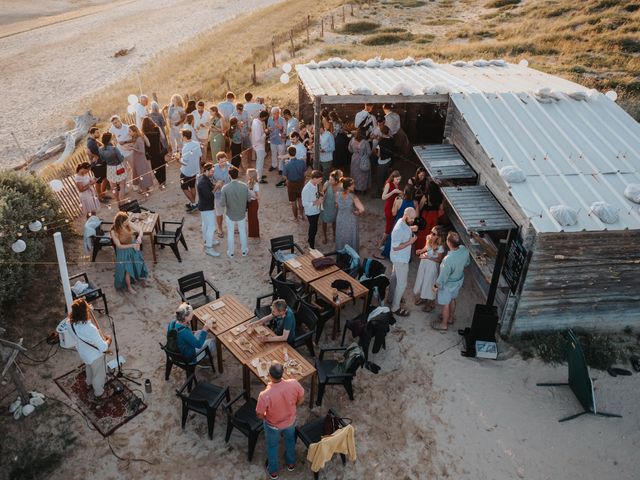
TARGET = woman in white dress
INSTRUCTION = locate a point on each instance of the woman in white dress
(86, 189)
(430, 257)
(176, 117)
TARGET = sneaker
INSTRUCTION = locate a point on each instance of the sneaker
(263, 181)
(273, 475)
(280, 172)
(281, 184)
(215, 242)
(245, 253)
(212, 252)
(263, 176)
(187, 205)
(229, 254)
(291, 467)
(272, 168)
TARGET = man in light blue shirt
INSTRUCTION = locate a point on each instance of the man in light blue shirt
(327, 147)
(277, 127)
(227, 108)
(450, 280)
(293, 125)
(402, 239)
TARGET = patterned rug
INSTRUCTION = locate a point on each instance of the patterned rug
(106, 415)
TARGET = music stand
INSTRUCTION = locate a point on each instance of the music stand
(119, 373)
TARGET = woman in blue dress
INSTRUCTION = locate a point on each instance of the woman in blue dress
(130, 266)
(399, 205)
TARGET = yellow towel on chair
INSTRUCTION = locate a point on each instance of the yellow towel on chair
(342, 441)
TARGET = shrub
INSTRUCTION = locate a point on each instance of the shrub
(23, 198)
(356, 28)
(502, 3)
(629, 45)
(386, 39)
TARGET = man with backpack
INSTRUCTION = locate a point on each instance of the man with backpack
(180, 338)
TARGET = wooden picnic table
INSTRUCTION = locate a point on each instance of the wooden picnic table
(149, 222)
(305, 270)
(267, 351)
(323, 288)
(230, 314)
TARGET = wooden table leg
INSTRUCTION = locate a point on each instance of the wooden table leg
(152, 237)
(246, 381)
(219, 354)
(336, 323)
(314, 387)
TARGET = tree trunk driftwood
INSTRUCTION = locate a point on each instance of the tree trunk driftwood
(66, 142)
(8, 353)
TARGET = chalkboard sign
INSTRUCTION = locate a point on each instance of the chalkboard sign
(514, 263)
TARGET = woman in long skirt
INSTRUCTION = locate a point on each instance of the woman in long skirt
(141, 173)
(329, 212)
(130, 266)
(430, 257)
(216, 132)
(349, 209)
(360, 161)
(87, 190)
(252, 209)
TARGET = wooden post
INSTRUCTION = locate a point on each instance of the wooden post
(351, 9)
(293, 47)
(317, 109)
(332, 23)
(228, 86)
(322, 27)
(308, 25)
(273, 52)
(254, 79)
(344, 19)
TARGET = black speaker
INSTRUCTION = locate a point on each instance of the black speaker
(483, 328)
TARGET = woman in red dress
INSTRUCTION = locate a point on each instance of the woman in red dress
(389, 193)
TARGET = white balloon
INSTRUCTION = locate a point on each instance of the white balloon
(132, 99)
(19, 246)
(286, 68)
(35, 226)
(523, 63)
(131, 109)
(284, 78)
(56, 185)
(612, 95)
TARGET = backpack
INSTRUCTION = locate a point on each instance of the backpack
(172, 339)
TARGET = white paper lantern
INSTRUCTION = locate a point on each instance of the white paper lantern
(286, 68)
(19, 246)
(131, 109)
(132, 99)
(612, 95)
(56, 185)
(523, 63)
(284, 78)
(35, 226)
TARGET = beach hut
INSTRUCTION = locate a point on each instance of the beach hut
(541, 165)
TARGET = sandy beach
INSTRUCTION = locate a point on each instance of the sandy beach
(70, 56)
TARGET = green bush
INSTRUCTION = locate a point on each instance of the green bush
(386, 39)
(23, 199)
(356, 28)
(502, 3)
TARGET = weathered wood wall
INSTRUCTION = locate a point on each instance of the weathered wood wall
(581, 279)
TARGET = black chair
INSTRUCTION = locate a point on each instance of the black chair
(204, 399)
(132, 206)
(325, 368)
(101, 239)
(306, 322)
(286, 244)
(169, 238)
(280, 281)
(92, 294)
(176, 358)
(323, 312)
(192, 289)
(288, 295)
(312, 432)
(245, 420)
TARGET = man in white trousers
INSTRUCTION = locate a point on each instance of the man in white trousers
(235, 198)
(402, 238)
(258, 138)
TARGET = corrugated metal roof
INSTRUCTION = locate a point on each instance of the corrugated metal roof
(572, 152)
(444, 162)
(418, 81)
(478, 209)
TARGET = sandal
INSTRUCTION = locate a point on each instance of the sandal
(428, 308)
(435, 325)
(419, 301)
(220, 234)
(401, 312)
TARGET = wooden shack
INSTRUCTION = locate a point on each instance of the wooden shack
(517, 146)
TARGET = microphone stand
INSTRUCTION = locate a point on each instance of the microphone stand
(119, 373)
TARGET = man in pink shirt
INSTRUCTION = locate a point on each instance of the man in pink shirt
(277, 407)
